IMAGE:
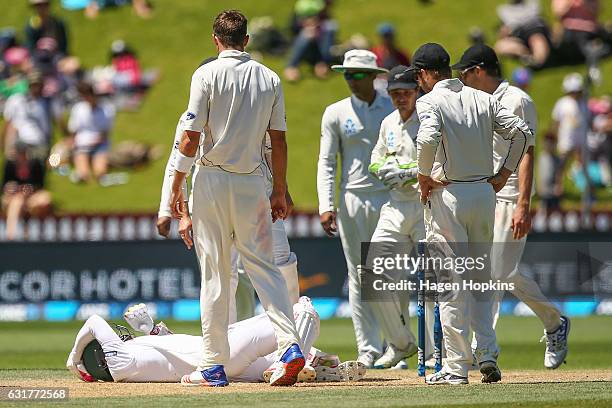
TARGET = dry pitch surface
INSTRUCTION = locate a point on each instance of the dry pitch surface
(374, 379)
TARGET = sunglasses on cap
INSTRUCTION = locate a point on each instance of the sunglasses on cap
(356, 76)
(465, 71)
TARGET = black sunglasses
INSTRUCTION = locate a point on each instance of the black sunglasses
(357, 76)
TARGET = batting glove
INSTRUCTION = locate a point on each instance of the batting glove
(396, 178)
(139, 319)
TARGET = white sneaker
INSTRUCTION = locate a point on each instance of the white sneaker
(394, 355)
(402, 365)
(367, 360)
(347, 371)
(556, 344)
(442, 378)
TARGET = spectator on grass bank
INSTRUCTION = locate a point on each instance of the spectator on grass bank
(142, 8)
(521, 78)
(583, 37)
(314, 33)
(29, 120)
(523, 34)
(599, 142)
(22, 189)
(388, 54)
(45, 25)
(90, 123)
(571, 123)
(16, 64)
(547, 168)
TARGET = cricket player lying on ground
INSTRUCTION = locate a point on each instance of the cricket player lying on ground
(162, 356)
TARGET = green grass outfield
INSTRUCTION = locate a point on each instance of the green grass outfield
(177, 38)
(38, 350)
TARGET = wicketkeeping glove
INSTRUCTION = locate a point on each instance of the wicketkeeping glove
(139, 319)
(397, 178)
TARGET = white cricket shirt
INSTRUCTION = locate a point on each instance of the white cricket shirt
(519, 103)
(350, 129)
(455, 139)
(239, 99)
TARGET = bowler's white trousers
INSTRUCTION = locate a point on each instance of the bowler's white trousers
(464, 213)
(505, 257)
(233, 209)
(358, 215)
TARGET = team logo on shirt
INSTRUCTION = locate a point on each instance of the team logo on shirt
(391, 140)
(190, 115)
(349, 127)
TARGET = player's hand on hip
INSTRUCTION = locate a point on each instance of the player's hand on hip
(426, 184)
(521, 221)
(278, 205)
(499, 180)
(328, 222)
(163, 226)
(185, 230)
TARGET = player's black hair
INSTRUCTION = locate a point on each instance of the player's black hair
(493, 70)
(230, 27)
(442, 73)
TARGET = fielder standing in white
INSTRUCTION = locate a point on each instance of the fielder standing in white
(393, 161)
(479, 68)
(455, 162)
(349, 129)
(239, 100)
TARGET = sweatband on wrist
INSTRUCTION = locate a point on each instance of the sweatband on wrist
(183, 163)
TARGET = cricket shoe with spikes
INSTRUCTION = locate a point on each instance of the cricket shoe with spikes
(444, 378)
(347, 371)
(211, 377)
(556, 345)
(288, 367)
(490, 372)
(307, 374)
(394, 355)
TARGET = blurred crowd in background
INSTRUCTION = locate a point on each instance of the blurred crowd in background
(44, 88)
(581, 125)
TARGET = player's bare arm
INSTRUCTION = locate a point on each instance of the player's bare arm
(188, 148)
(521, 218)
(278, 199)
(290, 203)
